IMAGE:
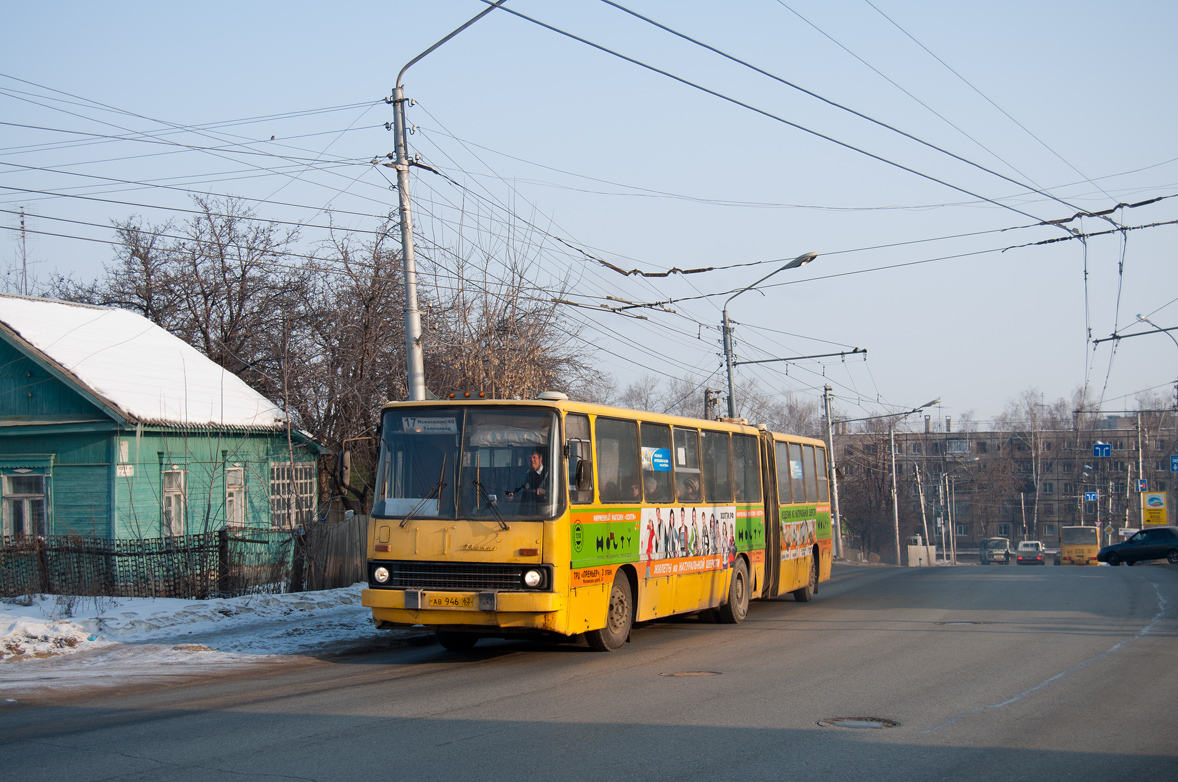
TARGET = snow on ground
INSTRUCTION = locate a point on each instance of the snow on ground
(53, 644)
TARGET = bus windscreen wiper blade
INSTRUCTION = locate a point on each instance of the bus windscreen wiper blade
(490, 503)
(435, 491)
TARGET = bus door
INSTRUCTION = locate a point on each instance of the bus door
(772, 518)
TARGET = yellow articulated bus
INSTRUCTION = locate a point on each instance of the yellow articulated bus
(1078, 545)
(494, 518)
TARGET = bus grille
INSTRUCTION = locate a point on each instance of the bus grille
(453, 576)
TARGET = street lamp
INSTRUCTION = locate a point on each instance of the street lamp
(800, 261)
(1144, 319)
(414, 360)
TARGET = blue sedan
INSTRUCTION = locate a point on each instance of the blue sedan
(1151, 543)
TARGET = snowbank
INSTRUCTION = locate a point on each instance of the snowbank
(72, 642)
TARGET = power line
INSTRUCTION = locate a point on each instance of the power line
(764, 113)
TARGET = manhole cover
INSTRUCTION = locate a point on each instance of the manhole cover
(692, 673)
(868, 723)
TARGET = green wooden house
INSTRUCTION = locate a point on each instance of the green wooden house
(112, 427)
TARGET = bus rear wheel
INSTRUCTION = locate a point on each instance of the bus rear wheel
(618, 618)
(737, 607)
(456, 642)
(806, 593)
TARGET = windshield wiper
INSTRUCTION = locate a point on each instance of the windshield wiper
(435, 491)
(490, 503)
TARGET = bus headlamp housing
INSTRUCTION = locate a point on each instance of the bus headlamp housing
(533, 578)
(381, 575)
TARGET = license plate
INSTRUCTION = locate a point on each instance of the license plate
(451, 601)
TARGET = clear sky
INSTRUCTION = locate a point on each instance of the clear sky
(1052, 108)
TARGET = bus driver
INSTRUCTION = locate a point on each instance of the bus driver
(534, 489)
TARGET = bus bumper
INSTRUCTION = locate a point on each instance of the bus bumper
(520, 610)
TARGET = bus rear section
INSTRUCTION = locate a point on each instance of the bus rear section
(1078, 545)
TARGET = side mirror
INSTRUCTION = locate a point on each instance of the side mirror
(583, 479)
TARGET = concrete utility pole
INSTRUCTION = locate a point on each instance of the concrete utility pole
(414, 359)
(835, 519)
(895, 496)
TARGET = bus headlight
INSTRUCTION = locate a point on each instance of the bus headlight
(381, 575)
(533, 578)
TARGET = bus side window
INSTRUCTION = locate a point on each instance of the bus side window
(820, 469)
(618, 464)
(687, 465)
(783, 480)
(656, 462)
(811, 481)
(797, 472)
(717, 467)
(580, 458)
(746, 468)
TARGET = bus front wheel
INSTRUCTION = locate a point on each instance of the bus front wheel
(618, 618)
(736, 609)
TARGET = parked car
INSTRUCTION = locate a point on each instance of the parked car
(1152, 543)
(994, 550)
(1030, 552)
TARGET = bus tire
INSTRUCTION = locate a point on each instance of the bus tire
(456, 642)
(806, 593)
(737, 606)
(619, 617)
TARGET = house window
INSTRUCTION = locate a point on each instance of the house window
(235, 496)
(1049, 529)
(292, 494)
(1004, 530)
(915, 448)
(24, 506)
(1049, 508)
(1161, 485)
(1067, 467)
(1049, 488)
(958, 446)
(981, 447)
(174, 502)
(962, 531)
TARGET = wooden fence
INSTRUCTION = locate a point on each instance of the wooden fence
(216, 564)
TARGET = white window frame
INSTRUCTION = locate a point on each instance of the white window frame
(292, 494)
(26, 501)
(235, 496)
(175, 501)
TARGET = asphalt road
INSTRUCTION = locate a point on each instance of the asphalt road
(1005, 672)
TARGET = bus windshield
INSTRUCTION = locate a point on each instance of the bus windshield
(452, 462)
(1080, 536)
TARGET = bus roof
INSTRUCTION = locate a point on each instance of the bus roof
(591, 408)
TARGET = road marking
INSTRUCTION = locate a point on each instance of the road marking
(1116, 647)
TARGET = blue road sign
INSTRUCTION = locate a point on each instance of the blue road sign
(1174, 464)
(1089, 496)
(1141, 485)
(1102, 450)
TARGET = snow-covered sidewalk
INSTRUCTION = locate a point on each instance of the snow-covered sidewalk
(61, 644)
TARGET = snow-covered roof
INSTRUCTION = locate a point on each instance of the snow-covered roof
(145, 373)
